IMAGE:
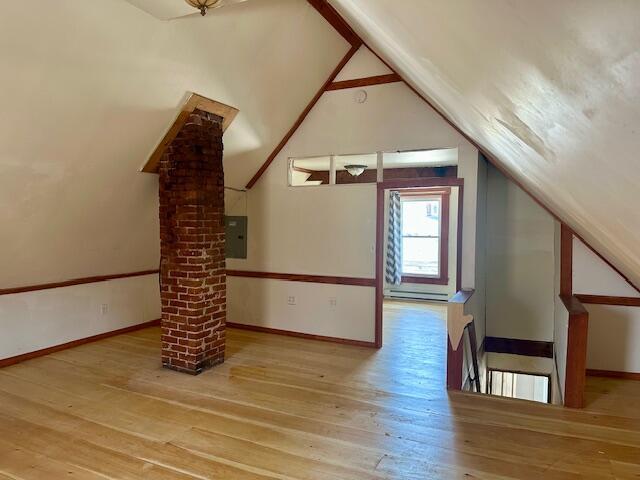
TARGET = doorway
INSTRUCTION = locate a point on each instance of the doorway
(424, 261)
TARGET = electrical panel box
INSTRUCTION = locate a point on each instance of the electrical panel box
(235, 229)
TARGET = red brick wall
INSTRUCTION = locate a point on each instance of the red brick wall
(192, 278)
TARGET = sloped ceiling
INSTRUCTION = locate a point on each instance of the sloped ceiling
(87, 90)
(548, 88)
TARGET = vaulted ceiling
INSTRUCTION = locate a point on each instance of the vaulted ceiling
(88, 89)
(548, 88)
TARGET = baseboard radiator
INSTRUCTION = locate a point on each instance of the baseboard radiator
(404, 294)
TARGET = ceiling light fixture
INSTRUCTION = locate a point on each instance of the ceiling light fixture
(355, 170)
(202, 5)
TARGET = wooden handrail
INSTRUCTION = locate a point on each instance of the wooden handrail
(462, 296)
(194, 102)
(609, 300)
(457, 322)
(576, 363)
(573, 305)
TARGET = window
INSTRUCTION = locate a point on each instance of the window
(356, 168)
(334, 169)
(309, 171)
(525, 386)
(425, 225)
(420, 163)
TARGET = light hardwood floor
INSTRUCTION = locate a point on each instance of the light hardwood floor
(285, 408)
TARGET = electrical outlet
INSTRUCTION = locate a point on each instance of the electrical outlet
(333, 301)
(291, 300)
(104, 308)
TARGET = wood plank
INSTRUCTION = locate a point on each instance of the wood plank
(91, 460)
(457, 322)
(365, 82)
(75, 281)
(194, 102)
(19, 464)
(613, 374)
(609, 300)
(462, 296)
(573, 305)
(301, 117)
(380, 266)
(297, 277)
(421, 182)
(517, 346)
(284, 407)
(134, 446)
(336, 21)
(577, 335)
(308, 336)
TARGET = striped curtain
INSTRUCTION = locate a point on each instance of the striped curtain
(393, 273)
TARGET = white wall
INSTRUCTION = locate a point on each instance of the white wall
(36, 320)
(265, 304)
(363, 64)
(614, 336)
(614, 331)
(88, 89)
(93, 86)
(330, 230)
(592, 276)
(468, 159)
(520, 263)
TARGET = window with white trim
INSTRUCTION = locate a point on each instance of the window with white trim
(424, 240)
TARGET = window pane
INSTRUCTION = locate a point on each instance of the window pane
(421, 218)
(356, 168)
(420, 256)
(309, 171)
(421, 163)
(520, 385)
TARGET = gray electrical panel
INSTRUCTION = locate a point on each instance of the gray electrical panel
(235, 229)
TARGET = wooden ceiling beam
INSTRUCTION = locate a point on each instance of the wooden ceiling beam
(301, 117)
(194, 102)
(344, 29)
(336, 21)
(609, 300)
(341, 25)
(365, 82)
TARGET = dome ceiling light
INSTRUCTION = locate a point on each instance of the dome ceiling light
(355, 170)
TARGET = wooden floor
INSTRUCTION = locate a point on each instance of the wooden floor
(285, 408)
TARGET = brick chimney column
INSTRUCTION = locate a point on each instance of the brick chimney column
(192, 244)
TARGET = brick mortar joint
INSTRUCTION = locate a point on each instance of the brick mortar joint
(191, 227)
